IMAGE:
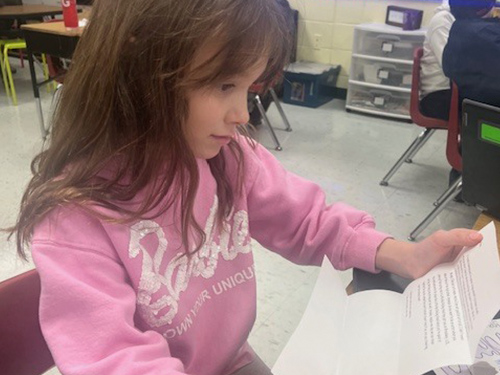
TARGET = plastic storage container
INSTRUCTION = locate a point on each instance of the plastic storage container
(381, 73)
(386, 41)
(381, 70)
(378, 101)
(310, 84)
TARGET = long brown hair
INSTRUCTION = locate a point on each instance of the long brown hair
(124, 103)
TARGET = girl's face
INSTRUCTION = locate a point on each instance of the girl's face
(215, 112)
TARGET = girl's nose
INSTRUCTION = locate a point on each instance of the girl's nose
(239, 112)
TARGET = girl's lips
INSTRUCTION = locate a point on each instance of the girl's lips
(222, 139)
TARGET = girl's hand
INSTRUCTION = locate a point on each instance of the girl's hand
(415, 260)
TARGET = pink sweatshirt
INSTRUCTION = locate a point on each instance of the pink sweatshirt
(119, 299)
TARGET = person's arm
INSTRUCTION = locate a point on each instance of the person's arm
(288, 215)
(87, 308)
(412, 260)
(438, 40)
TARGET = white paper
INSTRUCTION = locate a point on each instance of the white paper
(387, 47)
(436, 322)
(487, 359)
(383, 74)
(379, 100)
(396, 16)
(407, 78)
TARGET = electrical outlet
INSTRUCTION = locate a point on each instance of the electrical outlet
(317, 41)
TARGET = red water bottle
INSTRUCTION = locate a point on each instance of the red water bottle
(70, 14)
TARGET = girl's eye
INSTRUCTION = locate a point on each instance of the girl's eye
(226, 87)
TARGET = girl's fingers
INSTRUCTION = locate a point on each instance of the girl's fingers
(458, 237)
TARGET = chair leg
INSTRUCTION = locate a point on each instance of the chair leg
(262, 111)
(4, 74)
(410, 152)
(39, 113)
(21, 57)
(9, 77)
(45, 69)
(417, 149)
(448, 195)
(280, 109)
(56, 95)
(443, 196)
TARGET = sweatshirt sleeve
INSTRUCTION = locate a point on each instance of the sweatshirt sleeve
(87, 310)
(438, 37)
(288, 214)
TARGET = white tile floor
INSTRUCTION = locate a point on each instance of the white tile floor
(347, 154)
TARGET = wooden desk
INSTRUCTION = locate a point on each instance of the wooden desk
(51, 28)
(51, 38)
(23, 12)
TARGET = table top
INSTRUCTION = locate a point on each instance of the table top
(53, 28)
(22, 11)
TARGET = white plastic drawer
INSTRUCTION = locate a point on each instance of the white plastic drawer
(395, 46)
(381, 73)
(378, 100)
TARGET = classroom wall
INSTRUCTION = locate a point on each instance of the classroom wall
(45, 2)
(334, 21)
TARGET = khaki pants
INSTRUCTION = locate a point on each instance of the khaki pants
(257, 367)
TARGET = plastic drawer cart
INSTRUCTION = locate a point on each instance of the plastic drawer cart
(381, 69)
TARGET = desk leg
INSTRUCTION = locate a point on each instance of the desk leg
(36, 93)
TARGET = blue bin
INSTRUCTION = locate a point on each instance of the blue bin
(310, 84)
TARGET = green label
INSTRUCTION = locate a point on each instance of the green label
(490, 133)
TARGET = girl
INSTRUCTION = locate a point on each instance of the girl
(140, 212)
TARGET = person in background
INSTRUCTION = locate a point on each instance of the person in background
(141, 211)
(435, 92)
(435, 87)
(435, 79)
(471, 57)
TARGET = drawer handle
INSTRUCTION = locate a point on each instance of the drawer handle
(380, 93)
(388, 38)
(388, 66)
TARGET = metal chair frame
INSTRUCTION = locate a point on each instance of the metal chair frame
(454, 159)
(430, 124)
(258, 103)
